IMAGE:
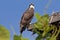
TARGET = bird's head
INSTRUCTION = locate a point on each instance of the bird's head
(31, 5)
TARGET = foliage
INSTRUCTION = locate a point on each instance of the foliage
(41, 27)
(16, 37)
(42, 24)
(4, 33)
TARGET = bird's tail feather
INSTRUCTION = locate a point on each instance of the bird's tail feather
(22, 29)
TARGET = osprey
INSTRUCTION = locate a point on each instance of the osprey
(26, 18)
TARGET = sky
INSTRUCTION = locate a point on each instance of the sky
(11, 12)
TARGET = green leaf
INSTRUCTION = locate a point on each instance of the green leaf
(4, 33)
(16, 37)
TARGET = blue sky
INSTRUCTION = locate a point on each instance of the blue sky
(12, 10)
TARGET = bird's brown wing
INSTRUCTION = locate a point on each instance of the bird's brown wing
(26, 19)
(22, 24)
(28, 16)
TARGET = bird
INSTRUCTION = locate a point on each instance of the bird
(26, 18)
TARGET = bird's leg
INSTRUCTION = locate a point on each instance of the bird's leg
(28, 26)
